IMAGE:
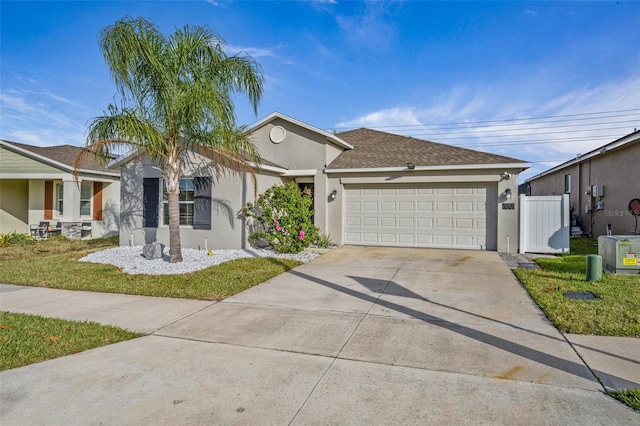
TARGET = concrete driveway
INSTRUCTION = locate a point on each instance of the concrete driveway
(357, 336)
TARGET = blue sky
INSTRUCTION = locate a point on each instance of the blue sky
(539, 81)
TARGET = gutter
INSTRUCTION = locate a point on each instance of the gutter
(431, 168)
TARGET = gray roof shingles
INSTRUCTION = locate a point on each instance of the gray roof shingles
(373, 149)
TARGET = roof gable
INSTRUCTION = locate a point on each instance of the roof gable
(376, 149)
(60, 156)
(627, 140)
(275, 115)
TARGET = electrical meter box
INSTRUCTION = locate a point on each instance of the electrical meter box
(620, 253)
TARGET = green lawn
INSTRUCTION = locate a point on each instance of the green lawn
(27, 339)
(54, 264)
(614, 312)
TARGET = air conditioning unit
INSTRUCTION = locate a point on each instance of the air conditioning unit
(620, 253)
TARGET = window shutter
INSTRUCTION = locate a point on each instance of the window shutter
(97, 200)
(48, 199)
(150, 202)
(202, 203)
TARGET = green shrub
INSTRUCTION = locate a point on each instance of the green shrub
(324, 240)
(282, 218)
(15, 238)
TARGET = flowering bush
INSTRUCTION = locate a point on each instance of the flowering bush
(282, 217)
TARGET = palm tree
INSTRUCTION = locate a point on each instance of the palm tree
(176, 96)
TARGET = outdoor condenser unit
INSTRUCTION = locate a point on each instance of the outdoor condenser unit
(620, 253)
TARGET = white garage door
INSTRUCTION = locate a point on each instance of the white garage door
(447, 215)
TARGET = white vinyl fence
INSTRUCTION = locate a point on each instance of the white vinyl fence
(544, 224)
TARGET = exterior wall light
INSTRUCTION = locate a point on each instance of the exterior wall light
(333, 195)
(507, 193)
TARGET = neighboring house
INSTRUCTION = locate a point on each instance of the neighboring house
(370, 188)
(37, 184)
(601, 185)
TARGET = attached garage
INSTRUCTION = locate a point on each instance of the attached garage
(395, 190)
(444, 215)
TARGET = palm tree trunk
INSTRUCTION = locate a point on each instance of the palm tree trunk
(172, 175)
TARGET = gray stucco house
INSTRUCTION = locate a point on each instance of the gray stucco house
(37, 184)
(601, 185)
(370, 188)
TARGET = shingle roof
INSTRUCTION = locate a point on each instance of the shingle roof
(64, 154)
(374, 149)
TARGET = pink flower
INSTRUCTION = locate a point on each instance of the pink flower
(260, 195)
(301, 235)
(278, 228)
(307, 191)
(275, 220)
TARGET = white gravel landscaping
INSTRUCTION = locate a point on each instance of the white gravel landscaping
(131, 260)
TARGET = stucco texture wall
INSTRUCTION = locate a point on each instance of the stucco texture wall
(618, 171)
(14, 206)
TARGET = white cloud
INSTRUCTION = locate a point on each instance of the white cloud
(510, 122)
(41, 118)
(254, 52)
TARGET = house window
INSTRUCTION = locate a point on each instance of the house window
(60, 198)
(86, 190)
(187, 195)
(567, 184)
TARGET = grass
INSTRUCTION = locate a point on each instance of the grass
(614, 312)
(27, 339)
(53, 263)
(57, 267)
(54, 245)
(631, 397)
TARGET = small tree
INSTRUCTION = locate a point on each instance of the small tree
(282, 216)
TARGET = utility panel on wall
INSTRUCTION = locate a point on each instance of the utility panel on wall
(597, 191)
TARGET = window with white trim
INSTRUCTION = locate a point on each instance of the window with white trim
(60, 198)
(567, 184)
(187, 196)
(86, 190)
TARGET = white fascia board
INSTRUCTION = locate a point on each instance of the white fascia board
(268, 168)
(633, 137)
(432, 168)
(299, 173)
(55, 176)
(330, 137)
(284, 172)
(51, 162)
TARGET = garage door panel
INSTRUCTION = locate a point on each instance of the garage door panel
(423, 215)
(464, 206)
(444, 206)
(464, 191)
(389, 206)
(444, 223)
(370, 221)
(424, 222)
(464, 223)
(424, 206)
(406, 238)
(388, 238)
(406, 222)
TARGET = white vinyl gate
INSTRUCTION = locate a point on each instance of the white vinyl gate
(544, 224)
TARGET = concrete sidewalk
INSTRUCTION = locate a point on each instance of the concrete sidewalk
(359, 335)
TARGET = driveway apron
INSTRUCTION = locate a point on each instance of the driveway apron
(359, 335)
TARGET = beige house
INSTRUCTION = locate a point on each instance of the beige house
(369, 187)
(602, 186)
(37, 185)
